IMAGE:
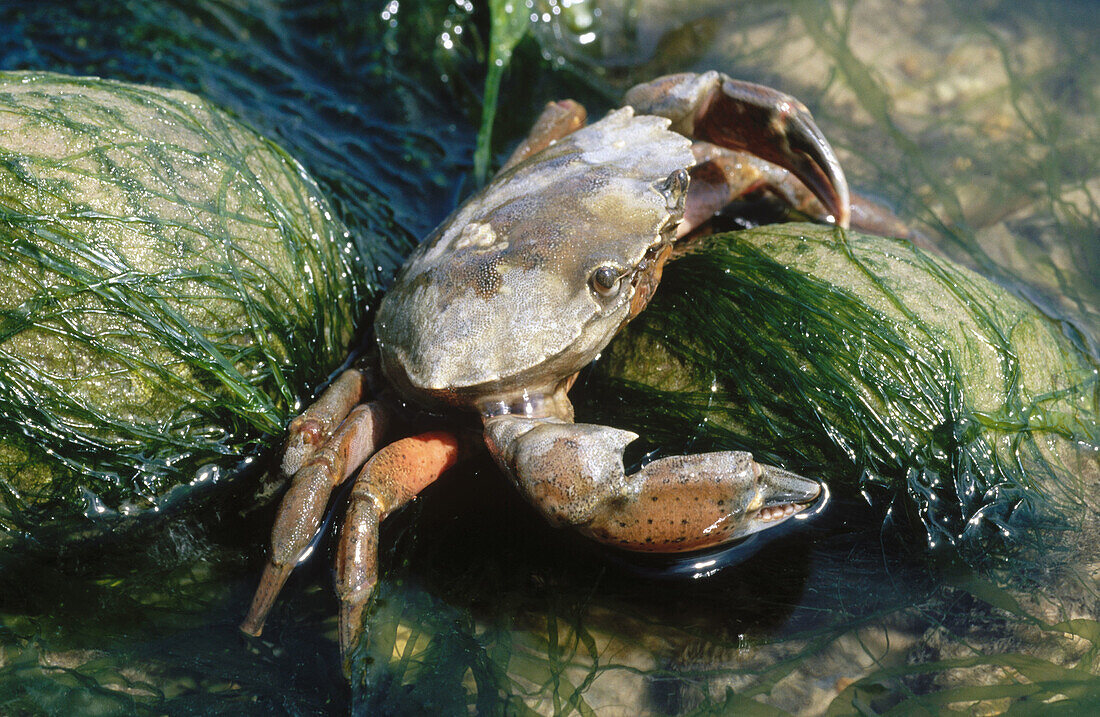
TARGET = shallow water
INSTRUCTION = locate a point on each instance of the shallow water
(975, 122)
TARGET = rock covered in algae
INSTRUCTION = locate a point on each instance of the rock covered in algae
(173, 282)
(872, 364)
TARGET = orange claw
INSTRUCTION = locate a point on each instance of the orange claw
(393, 477)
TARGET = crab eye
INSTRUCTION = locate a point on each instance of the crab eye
(605, 280)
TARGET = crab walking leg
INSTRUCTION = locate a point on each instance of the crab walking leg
(557, 120)
(574, 474)
(743, 116)
(313, 427)
(393, 477)
(305, 501)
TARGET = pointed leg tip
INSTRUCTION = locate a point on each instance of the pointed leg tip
(841, 211)
(837, 203)
(271, 582)
(251, 627)
(819, 170)
(253, 623)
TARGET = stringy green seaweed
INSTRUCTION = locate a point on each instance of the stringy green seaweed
(869, 363)
(174, 284)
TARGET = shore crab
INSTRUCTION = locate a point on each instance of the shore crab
(520, 288)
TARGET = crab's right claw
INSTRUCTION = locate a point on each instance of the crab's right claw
(784, 494)
(752, 118)
(573, 473)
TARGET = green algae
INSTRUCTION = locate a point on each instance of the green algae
(507, 25)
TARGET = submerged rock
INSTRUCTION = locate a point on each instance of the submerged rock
(174, 284)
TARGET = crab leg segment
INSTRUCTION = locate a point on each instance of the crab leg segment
(557, 120)
(574, 474)
(752, 118)
(314, 426)
(304, 504)
(390, 479)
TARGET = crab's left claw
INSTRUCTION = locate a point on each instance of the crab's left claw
(743, 116)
